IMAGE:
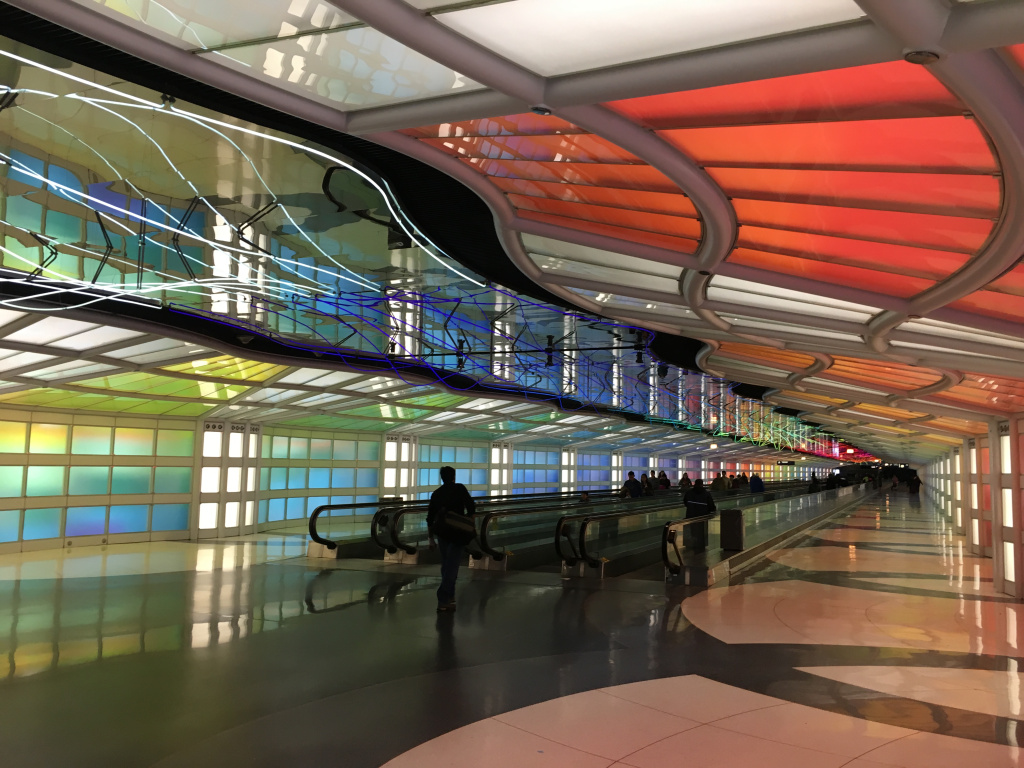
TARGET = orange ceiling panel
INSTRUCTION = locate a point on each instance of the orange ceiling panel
(677, 226)
(865, 279)
(885, 257)
(893, 89)
(915, 229)
(955, 194)
(575, 148)
(595, 174)
(621, 233)
(992, 304)
(1017, 53)
(958, 425)
(652, 202)
(896, 414)
(890, 374)
(942, 144)
(787, 357)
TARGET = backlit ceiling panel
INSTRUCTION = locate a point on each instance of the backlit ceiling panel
(109, 191)
(771, 178)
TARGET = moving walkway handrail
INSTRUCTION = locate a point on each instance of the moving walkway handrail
(381, 521)
(585, 520)
(488, 517)
(670, 535)
(484, 516)
(638, 508)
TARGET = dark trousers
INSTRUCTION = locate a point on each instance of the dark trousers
(695, 536)
(451, 557)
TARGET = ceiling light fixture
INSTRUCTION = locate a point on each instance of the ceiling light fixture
(921, 57)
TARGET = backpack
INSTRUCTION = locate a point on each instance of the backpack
(455, 527)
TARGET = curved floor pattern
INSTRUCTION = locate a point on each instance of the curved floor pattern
(890, 578)
(872, 641)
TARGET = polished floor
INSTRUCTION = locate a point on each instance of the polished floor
(871, 641)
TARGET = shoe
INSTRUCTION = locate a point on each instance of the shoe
(449, 608)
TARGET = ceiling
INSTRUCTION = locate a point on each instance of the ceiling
(772, 178)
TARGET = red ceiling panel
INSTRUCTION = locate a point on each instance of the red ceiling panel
(575, 148)
(677, 226)
(954, 194)
(893, 89)
(915, 229)
(641, 177)
(653, 202)
(620, 233)
(942, 144)
(887, 258)
(866, 279)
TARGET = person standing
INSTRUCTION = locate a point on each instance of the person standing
(756, 483)
(450, 498)
(914, 484)
(631, 488)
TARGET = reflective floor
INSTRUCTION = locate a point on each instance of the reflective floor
(871, 641)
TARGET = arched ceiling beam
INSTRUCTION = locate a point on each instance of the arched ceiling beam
(984, 83)
(424, 34)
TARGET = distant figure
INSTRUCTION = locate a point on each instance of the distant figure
(663, 482)
(585, 497)
(684, 482)
(756, 483)
(735, 482)
(815, 486)
(832, 483)
(914, 484)
(647, 489)
(631, 489)
(698, 502)
(744, 479)
(450, 498)
(895, 483)
(719, 483)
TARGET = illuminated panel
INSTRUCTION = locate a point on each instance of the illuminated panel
(554, 172)
(996, 392)
(573, 35)
(825, 272)
(871, 167)
(355, 68)
(208, 25)
(890, 374)
(789, 359)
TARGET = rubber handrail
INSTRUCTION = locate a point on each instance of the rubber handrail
(669, 535)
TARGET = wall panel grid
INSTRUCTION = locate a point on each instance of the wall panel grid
(89, 479)
(299, 470)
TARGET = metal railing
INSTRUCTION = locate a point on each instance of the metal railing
(385, 524)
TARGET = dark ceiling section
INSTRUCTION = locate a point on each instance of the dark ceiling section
(787, 411)
(752, 391)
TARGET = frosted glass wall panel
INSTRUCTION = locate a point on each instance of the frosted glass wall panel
(129, 518)
(10, 523)
(86, 521)
(48, 438)
(44, 481)
(12, 436)
(134, 442)
(94, 441)
(42, 524)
